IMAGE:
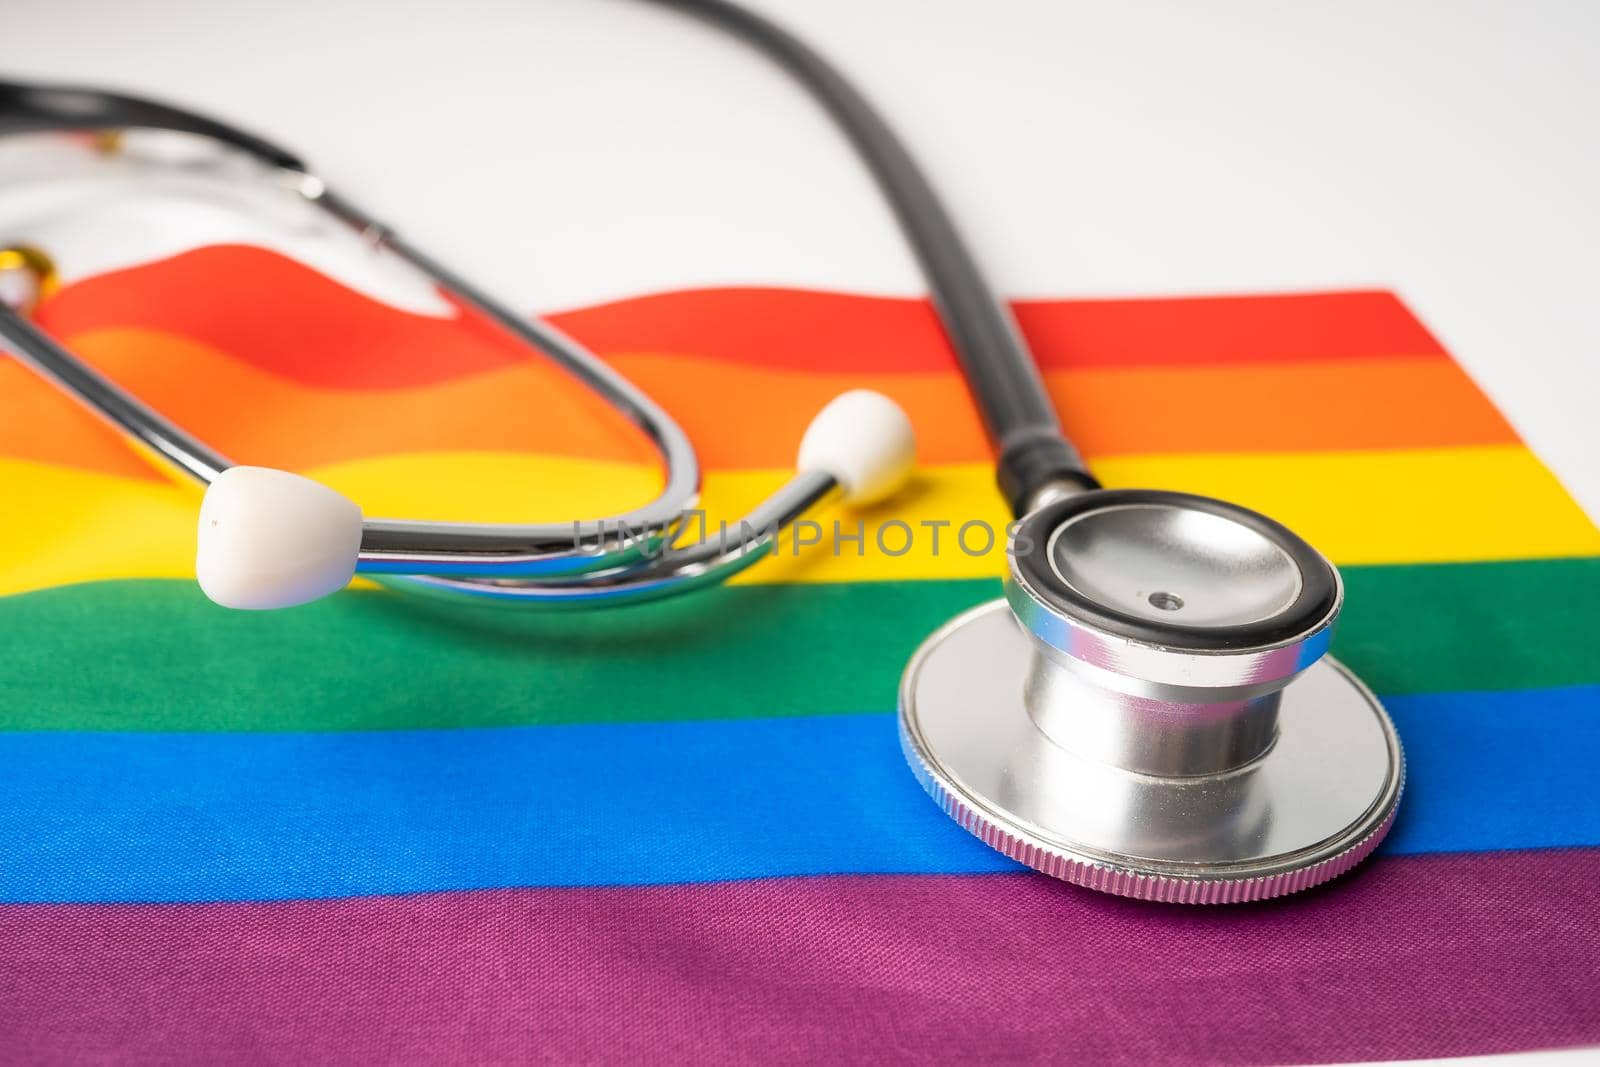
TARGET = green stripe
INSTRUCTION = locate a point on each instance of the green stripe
(1440, 628)
(154, 655)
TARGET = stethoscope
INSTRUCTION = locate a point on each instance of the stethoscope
(1149, 711)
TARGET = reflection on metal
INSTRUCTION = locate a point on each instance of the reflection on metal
(1082, 729)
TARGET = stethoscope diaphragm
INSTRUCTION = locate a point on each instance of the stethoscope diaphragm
(1151, 712)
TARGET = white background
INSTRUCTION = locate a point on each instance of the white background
(567, 151)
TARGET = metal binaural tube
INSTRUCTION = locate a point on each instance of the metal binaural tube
(588, 562)
(515, 550)
(507, 550)
(557, 563)
(663, 569)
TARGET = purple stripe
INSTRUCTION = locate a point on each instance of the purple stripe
(1412, 956)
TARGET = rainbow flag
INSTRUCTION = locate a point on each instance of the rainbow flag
(380, 829)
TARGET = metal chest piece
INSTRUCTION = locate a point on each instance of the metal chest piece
(1151, 712)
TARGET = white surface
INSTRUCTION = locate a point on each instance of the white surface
(566, 151)
(271, 539)
(97, 213)
(1563, 1057)
(865, 441)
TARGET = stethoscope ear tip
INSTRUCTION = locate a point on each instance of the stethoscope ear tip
(272, 539)
(864, 441)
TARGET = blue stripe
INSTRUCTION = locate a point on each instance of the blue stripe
(177, 817)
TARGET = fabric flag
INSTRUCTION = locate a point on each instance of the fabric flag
(379, 828)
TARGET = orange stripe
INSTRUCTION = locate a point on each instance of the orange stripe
(745, 417)
(43, 424)
(255, 417)
(313, 330)
(739, 417)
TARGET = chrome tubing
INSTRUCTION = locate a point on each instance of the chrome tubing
(465, 550)
(633, 556)
(667, 570)
(637, 554)
(500, 551)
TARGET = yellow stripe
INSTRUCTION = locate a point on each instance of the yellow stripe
(1431, 505)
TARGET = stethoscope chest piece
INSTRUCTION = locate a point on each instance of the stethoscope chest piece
(1151, 712)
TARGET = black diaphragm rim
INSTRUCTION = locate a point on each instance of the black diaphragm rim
(1317, 599)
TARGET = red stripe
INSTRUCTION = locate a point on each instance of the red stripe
(278, 315)
(841, 333)
(1285, 328)
(1409, 957)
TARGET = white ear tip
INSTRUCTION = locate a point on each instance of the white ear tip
(271, 539)
(865, 441)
